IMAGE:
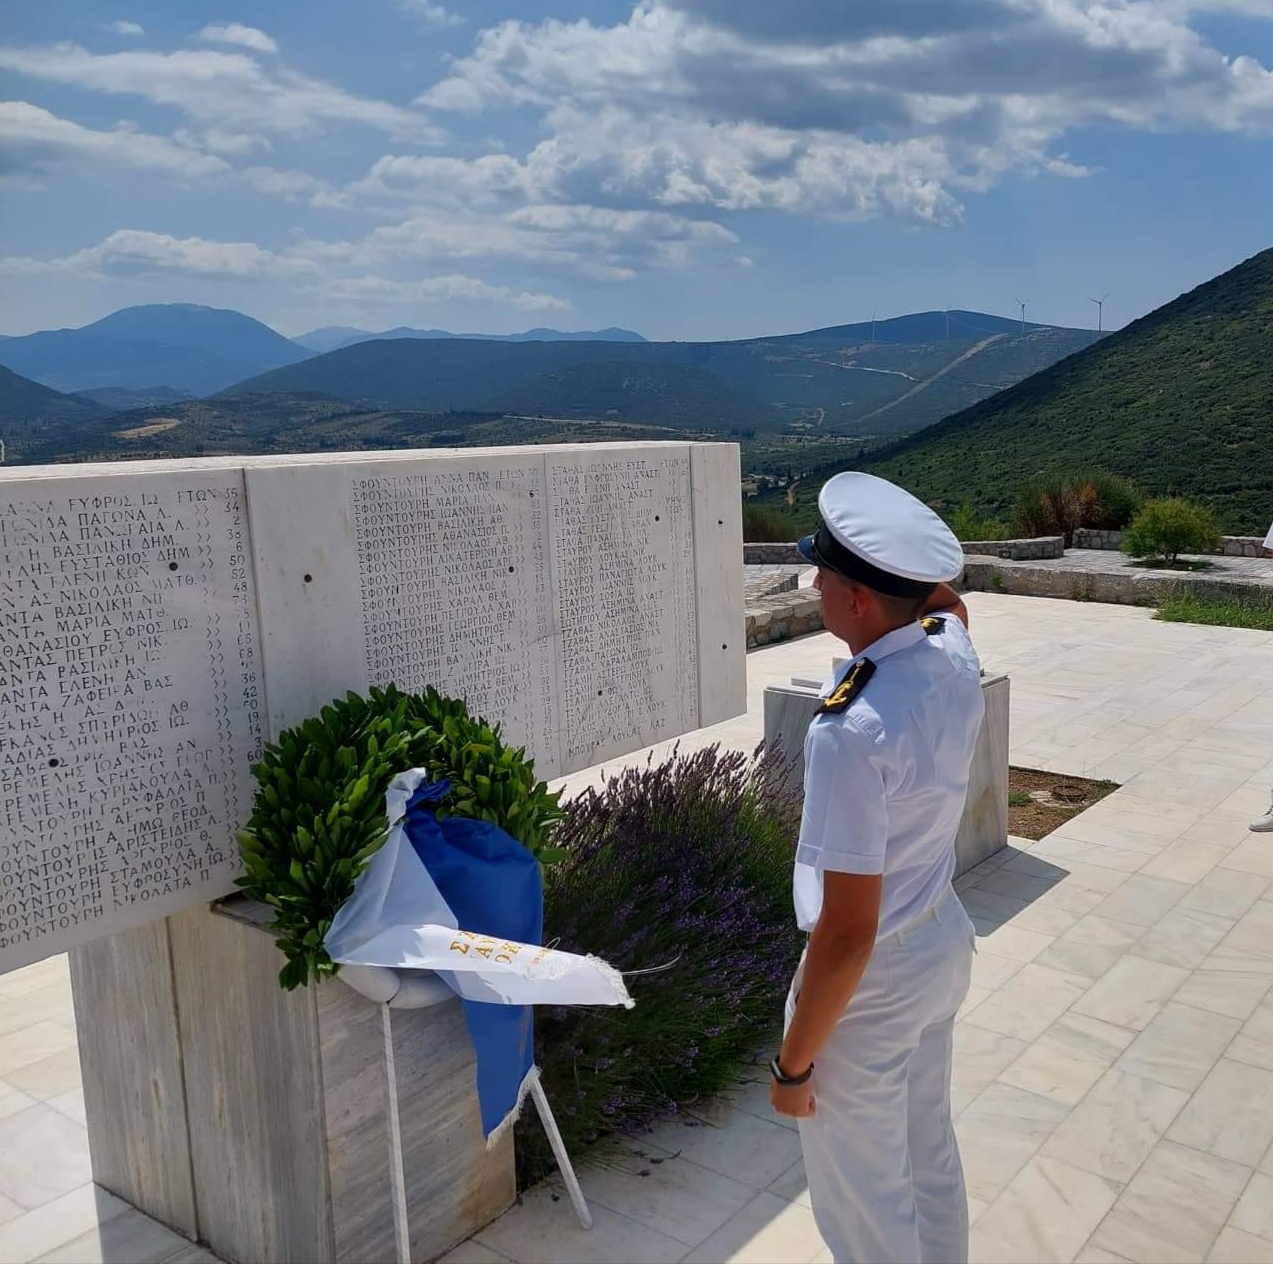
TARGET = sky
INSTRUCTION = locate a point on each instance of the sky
(691, 169)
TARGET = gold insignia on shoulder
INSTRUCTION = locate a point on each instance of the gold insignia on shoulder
(843, 695)
(932, 625)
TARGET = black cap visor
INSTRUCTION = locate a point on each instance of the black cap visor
(823, 549)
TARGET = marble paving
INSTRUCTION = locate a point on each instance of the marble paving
(1250, 570)
(1114, 1068)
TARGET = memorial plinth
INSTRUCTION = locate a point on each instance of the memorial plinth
(983, 829)
(158, 622)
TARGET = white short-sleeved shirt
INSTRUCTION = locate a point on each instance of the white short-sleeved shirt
(886, 780)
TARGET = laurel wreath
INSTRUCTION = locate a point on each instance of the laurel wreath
(318, 815)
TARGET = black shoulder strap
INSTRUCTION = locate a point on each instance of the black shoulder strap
(842, 696)
(932, 625)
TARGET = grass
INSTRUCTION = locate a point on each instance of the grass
(1186, 606)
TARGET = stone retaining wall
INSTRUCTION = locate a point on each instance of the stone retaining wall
(1037, 550)
(772, 555)
(1122, 588)
(1111, 541)
(782, 617)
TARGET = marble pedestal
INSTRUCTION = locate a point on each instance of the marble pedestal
(253, 1120)
(984, 828)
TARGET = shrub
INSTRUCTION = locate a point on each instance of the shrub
(679, 873)
(968, 524)
(1167, 528)
(766, 524)
(319, 811)
(1062, 504)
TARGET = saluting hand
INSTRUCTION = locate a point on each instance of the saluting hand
(796, 1101)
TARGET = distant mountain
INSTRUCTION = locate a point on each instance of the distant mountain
(120, 398)
(177, 345)
(332, 337)
(29, 412)
(329, 337)
(889, 377)
(1181, 401)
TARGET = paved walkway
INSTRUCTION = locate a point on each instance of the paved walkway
(1114, 1068)
(1251, 570)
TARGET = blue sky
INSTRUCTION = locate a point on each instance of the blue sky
(687, 168)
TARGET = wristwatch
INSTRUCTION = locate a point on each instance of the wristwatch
(789, 1081)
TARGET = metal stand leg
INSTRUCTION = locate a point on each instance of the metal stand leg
(559, 1153)
(397, 1175)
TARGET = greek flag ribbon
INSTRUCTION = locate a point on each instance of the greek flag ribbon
(464, 899)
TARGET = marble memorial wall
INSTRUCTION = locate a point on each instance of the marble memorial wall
(159, 621)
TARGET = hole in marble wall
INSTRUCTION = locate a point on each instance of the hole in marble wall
(309, 579)
(172, 566)
(53, 763)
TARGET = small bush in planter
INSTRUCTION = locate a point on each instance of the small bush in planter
(685, 865)
(319, 811)
(1167, 528)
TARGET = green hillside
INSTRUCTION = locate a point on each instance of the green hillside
(1181, 402)
(30, 413)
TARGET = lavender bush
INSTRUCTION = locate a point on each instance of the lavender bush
(679, 874)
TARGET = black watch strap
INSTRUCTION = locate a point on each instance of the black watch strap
(789, 1081)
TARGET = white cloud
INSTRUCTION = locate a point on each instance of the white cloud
(126, 28)
(434, 14)
(289, 185)
(449, 288)
(849, 110)
(218, 141)
(132, 252)
(237, 34)
(229, 90)
(601, 242)
(35, 139)
(136, 253)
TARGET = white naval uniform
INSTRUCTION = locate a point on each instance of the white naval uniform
(885, 784)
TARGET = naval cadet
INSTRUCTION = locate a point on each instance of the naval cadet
(865, 1062)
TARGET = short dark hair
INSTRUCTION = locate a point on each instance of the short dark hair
(901, 610)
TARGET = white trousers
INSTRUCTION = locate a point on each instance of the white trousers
(880, 1154)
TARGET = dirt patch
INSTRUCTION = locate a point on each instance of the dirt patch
(1040, 802)
(158, 426)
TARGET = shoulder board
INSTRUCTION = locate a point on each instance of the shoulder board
(932, 625)
(843, 695)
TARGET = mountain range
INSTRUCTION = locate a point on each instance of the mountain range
(191, 349)
(884, 377)
(333, 337)
(1181, 401)
(874, 378)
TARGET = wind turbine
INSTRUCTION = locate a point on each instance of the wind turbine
(873, 325)
(1021, 303)
(1100, 311)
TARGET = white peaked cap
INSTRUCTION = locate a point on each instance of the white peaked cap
(884, 526)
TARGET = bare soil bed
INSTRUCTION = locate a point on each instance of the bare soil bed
(1040, 802)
